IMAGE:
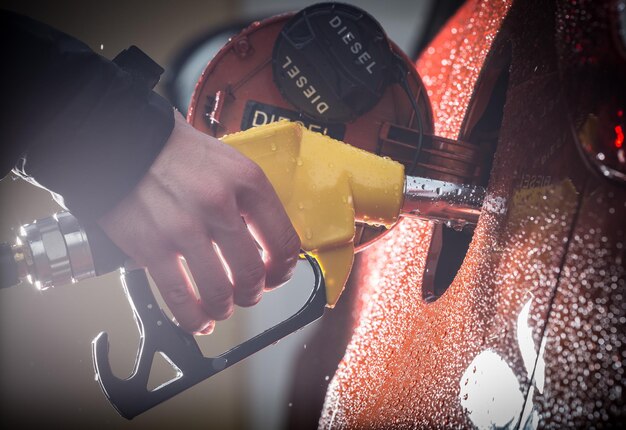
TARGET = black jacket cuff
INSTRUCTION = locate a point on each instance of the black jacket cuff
(73, 121)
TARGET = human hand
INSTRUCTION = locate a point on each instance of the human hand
(190, 204)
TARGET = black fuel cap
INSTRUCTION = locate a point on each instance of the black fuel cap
(332, 61)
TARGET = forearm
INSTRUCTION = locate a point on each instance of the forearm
(73, 120)
(84, 128)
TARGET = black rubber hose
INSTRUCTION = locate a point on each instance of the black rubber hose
(8, 267)
(107, 257)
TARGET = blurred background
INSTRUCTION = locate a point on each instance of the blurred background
(46, 372)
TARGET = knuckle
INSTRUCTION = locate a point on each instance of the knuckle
(289, 246)
(221, 201)
(253, 172)
(291, 243)
(183, 228)
(252, 277)
(225, 314)
(220, 298)
(178, 296)
(248, 300)
(231, 226)
(284, 263)
(219, 304)
(254, 179)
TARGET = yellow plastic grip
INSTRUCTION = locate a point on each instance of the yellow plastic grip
(325, 186)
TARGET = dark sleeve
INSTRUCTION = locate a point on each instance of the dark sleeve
(73, 121)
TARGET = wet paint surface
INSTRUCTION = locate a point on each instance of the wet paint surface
(531, 331)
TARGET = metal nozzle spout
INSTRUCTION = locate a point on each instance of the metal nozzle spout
(456, 205)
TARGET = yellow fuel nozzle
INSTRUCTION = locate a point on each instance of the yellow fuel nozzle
(325, 186)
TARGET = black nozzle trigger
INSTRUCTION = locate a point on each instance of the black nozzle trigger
(158, 333)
